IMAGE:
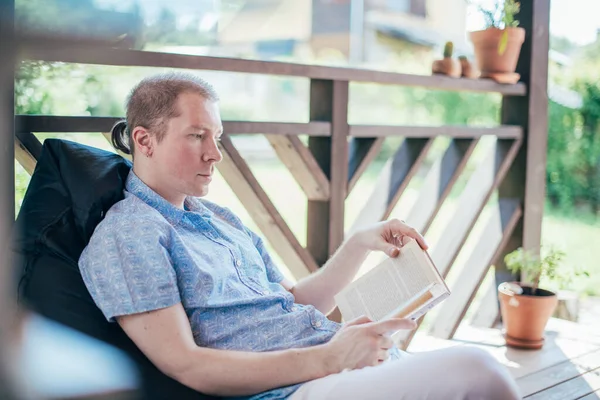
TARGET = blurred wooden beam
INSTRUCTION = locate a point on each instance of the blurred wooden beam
(393, 180)
(302, 165)
(11, 377)
(243, 183)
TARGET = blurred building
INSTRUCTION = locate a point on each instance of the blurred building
(359, 31)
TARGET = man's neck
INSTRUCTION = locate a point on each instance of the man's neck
(173, 197)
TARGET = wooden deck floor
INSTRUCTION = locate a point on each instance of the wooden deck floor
(566, 368)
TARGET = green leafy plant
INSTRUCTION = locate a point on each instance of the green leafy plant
(534, 267)
(501, 16)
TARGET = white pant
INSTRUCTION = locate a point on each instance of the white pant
(456, 373)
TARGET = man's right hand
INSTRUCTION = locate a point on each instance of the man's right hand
(362, 343)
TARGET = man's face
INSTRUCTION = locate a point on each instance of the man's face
(185, 158)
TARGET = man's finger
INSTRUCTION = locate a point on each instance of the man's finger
(393, 324)
(387, 343)
(363, 319)
(413, 234)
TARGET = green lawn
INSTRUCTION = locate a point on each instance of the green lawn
(578, 234)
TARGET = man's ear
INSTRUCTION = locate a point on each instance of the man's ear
(142, 141)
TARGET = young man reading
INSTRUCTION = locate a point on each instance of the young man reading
(198, 293)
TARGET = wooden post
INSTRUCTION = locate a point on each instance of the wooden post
(325, 225)
(7, 106)
(526, 178)
(7, 200)
(329, 102)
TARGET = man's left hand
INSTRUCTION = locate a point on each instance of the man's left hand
(388, 236)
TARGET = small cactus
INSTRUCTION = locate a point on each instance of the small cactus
(448, 50)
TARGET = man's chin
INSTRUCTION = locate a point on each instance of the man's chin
(200, 191)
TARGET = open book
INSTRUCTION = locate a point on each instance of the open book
(403, 287)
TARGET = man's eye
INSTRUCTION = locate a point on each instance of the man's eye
(198, 135)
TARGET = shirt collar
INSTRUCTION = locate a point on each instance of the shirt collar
(135, 186)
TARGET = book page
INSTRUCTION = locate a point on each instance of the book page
(393, 285)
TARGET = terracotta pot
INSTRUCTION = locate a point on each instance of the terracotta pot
(486, 44)
(525, 316)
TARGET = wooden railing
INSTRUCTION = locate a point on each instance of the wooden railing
(328, 168)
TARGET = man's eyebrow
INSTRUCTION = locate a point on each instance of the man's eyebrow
(204, 128)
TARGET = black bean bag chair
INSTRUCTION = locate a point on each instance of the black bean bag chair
(72, 188)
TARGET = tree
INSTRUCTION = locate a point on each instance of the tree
(564, 184)
(590, 139)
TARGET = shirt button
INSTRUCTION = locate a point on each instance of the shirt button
(318, 324)
(294, 308)
(264, 293)
(238, 263)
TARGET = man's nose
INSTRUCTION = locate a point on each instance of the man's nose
(213, 152)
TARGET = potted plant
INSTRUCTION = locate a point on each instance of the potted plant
(497, 47)
(525, 307)
(447, 65)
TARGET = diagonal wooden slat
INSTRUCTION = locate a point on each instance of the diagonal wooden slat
(31, 143)
(302, 165)
(24, 157)
(500, 226)
(482, 183)
(243, 183)
(439, 182)
(362, 152)
(393, 180)
(107, 136)
(487, 313)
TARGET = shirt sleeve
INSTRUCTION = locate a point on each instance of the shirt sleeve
(127, 268)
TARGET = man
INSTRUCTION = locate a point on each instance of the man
(198, 293)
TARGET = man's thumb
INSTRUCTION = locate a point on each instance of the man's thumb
(389, 249)
(394, 324)
(363, 319)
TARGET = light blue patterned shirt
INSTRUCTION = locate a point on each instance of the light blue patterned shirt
(148, 254)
